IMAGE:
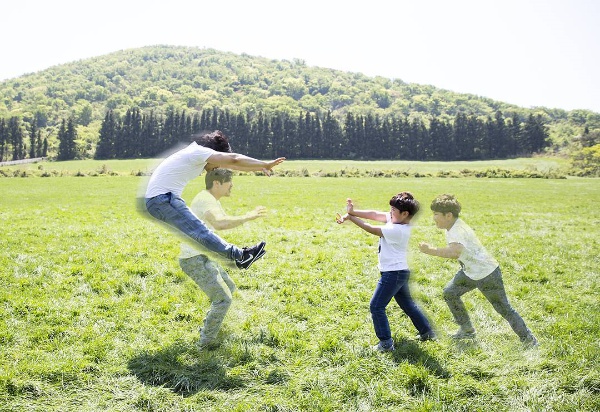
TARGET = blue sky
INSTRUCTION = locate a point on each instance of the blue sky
(525, 52)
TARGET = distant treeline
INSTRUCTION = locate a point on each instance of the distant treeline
(304, 136)
(17, 143)
(309, 136)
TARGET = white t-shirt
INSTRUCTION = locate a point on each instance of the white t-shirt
(174, 173)
(202, 203)
(393, 246)
(476, 262)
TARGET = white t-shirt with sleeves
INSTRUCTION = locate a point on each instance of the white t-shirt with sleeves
(174, 173)
(475, 260)
(393, 246)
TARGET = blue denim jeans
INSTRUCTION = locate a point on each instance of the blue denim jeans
(172, 210)
(395, 285)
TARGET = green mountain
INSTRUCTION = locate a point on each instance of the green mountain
(169, 78)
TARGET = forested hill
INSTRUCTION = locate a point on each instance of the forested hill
(169, 79)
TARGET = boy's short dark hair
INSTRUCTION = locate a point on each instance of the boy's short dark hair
(405, 202)
(220, 175)
(215, 140)
(446, 203)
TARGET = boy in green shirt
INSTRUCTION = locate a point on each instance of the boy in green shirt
(208, 274)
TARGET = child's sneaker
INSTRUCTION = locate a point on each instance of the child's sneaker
(207, 345)
(427, 336)
(530, 342)
(250, 255)
(384, 346)
(464, 334)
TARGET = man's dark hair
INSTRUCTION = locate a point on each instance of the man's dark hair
(215, 140)
(446, 203)
(220, 175)
(405, 202)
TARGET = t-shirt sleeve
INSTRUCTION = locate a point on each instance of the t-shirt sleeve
(201, 155)
(455, 236)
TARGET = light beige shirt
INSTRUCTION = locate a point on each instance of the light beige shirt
(202, 203)
(475, 260)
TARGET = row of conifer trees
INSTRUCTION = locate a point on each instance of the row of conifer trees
(310, 136)
(17, 142)
(303, 136)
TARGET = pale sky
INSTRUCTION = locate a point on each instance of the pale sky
(524, 52)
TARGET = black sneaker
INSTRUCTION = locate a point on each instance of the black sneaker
(250, 255)
(427, 336)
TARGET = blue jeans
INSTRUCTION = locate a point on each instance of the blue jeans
(395, 285)
(172, 210)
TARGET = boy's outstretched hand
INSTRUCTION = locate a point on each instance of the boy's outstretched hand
(341, 219)
(425, 247)
(349, 206)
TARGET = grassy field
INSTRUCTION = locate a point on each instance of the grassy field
(95, 313)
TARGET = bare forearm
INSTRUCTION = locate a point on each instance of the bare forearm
(230, 222)
(242, 162)
(374, 230)
(368, 214)
(245, 163)
(450, 252)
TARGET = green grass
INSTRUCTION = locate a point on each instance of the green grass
(95, 313)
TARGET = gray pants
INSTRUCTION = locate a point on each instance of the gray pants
(218, 286)
(492, 288)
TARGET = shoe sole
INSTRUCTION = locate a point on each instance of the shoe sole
(380, 349)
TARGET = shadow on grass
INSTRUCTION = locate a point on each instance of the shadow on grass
(410, 351)
(184, 369)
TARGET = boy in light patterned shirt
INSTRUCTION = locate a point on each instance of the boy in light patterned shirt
(208, 274)
(479, 270)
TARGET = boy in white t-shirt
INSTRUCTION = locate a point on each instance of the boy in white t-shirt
(479, 270)
(393, 265)
(163, 192)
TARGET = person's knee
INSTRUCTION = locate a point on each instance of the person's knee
(448, 294)
(506, 311)
(376, 309)
(224, 301)
(408, 306)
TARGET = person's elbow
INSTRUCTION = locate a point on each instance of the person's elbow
(224, 159)
(376, 231)
(454, 252)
